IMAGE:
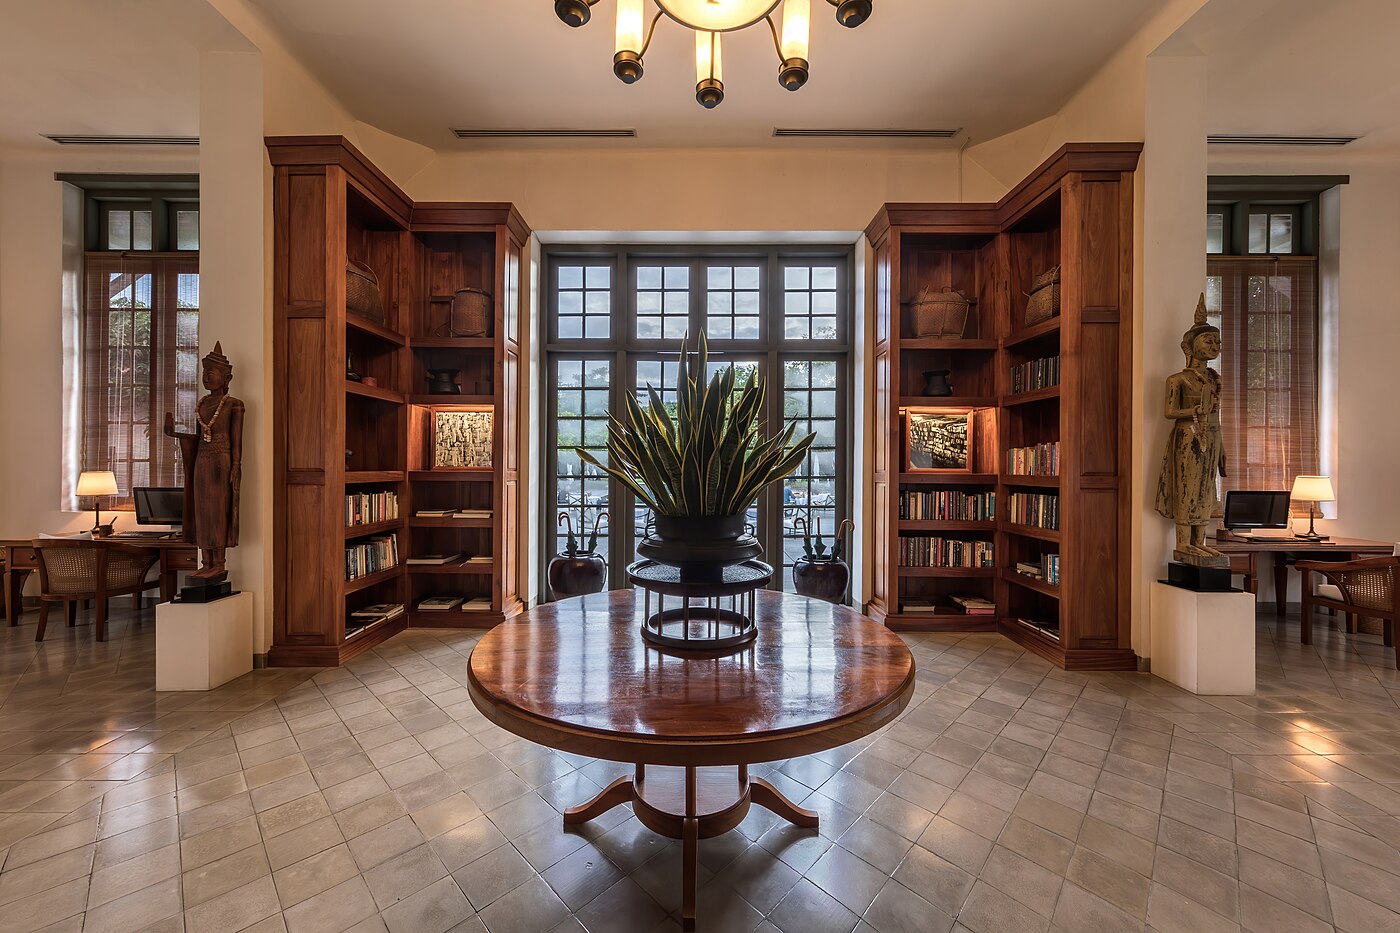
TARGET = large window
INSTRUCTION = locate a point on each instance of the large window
(140, 336)
(614, 324)
(1261, 291)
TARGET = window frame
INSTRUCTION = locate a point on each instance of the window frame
(624, 349)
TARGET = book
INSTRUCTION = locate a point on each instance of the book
(472, 513)
(477, 604)
(432, 513)
(378, 611)
(434, 558)
(478, 559)
(439, 603)
(917, 605)
(974, 605)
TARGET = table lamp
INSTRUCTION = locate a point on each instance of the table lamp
(96, 483)
(1313, 489)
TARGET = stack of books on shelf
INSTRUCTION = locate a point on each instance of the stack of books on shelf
(944, 552)
(917, 606)
(362, 619)
(974, 605)
(366, 508)
(434, 513)
(428, 560)
(472, 513)
(948, 506)
(1037, 374)
(478, 559)
(1037, 460)
(463, 603)
(371, 556)
(1047, 568)
(1039, 510)
(1049, 627)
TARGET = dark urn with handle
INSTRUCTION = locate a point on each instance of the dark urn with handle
(819, 573)
(577, 571)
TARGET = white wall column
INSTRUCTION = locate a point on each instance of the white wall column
(1174, 269)
(233, 305)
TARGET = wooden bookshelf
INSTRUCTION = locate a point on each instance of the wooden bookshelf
(336, 435)
(1074, 211)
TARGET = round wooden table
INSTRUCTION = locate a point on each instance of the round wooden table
(576, 676)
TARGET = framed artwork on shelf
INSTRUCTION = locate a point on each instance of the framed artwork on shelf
(462, 438)
(938, 440)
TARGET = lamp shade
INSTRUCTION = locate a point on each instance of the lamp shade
(97, 483)
(1313, 489)
(717, 15)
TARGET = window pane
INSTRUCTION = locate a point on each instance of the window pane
(187, 229)
(584, 300)
(1215, 233)
(663, 302)
(1258, 233)
(1281, 233)
(580, 490)
(809, 302)
(731, 310)
(809, 494)
(140, 229)
(119, 229)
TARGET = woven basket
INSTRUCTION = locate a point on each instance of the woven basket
(471, 313)
(938, 314)
(362, 292)
(1044, 297)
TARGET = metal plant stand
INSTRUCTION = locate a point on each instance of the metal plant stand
(711, 615)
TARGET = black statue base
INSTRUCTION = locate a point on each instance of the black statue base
(712, 616)
(1200, 579)
(200, 590)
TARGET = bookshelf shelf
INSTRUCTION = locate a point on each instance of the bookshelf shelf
(449, 400)
(373, 392)
(452, 476)
(1074, 212)
(378, 331)
(458, 567)
(373, 579)
(375, 528)
(417, 522)
(373, 476)
(452, 343)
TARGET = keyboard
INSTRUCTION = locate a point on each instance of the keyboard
(143, 534)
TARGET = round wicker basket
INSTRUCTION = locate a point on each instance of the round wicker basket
(940, 313)
(471, 313)
(362, 292)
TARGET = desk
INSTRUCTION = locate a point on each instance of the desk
(1244, 557)
(576, 675)
(176, 555)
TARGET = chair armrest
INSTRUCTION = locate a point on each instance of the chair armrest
(1369, 563)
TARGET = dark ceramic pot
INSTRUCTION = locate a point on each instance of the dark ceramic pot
(577, 575)
(700, 547)
(443, 382)
(821, 579)
(936, 383)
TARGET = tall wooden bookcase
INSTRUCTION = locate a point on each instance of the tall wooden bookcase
(334, 436)
(1074, 211)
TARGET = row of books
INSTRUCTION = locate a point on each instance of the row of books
(456, 557)
(1036, 374)
(1036, 460)
(362, 619)
(917, 551)
(366, 508)
(452, 513)
(371, 556)
(1049, 627)
(1039, 510)
(948, 506)
(1047, 568)
(966, 603)
(460, 603)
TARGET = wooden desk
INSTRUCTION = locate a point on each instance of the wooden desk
(576, 675)
(1244, 558)
(176, 555)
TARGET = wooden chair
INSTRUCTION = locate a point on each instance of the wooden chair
(1367, 589)
(73, 570)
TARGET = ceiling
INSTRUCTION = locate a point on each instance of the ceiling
(417, 67)
(1300, 67)
(71, 66)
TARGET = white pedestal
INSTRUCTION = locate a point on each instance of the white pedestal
(202, 645)
(1203, 642)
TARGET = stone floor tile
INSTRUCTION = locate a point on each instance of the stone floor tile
(899, 910)
(235, 910)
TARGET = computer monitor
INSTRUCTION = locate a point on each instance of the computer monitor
(159, 505)
(1256, 509)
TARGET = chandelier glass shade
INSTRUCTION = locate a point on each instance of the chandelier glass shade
(636, 23)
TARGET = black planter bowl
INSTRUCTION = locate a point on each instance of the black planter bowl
(821, 579)
(577, 575)
(700, 547)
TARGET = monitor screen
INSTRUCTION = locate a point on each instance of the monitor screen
(1256, 509)
(159, 505)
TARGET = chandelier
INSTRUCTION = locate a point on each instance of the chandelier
(709, 19)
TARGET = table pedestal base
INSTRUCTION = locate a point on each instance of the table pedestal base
(691, 804)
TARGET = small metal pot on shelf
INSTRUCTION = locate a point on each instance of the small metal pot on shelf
(577, 571)
(818, 573)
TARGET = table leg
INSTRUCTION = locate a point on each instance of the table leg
(770, 798)
(14, 594)
(1280, 584)
(167, 585)
(614, 795)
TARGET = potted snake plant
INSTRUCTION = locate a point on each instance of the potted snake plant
(700, 468)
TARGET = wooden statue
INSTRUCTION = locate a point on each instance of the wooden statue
(1195, 454)
(212, 459)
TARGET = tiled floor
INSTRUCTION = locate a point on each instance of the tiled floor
(1010, 797)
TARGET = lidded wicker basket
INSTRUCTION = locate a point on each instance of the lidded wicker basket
(362, 295)
(471, 313)
(940, 313)
(1044, 297)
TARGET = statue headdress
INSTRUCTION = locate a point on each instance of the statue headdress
(1198, 327)
(216, 358)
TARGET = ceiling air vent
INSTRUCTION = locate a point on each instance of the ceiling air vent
(1280, 140)
(857, 133)
(621, 133)
(66, 140)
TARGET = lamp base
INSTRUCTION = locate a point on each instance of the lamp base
(1313, 536)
